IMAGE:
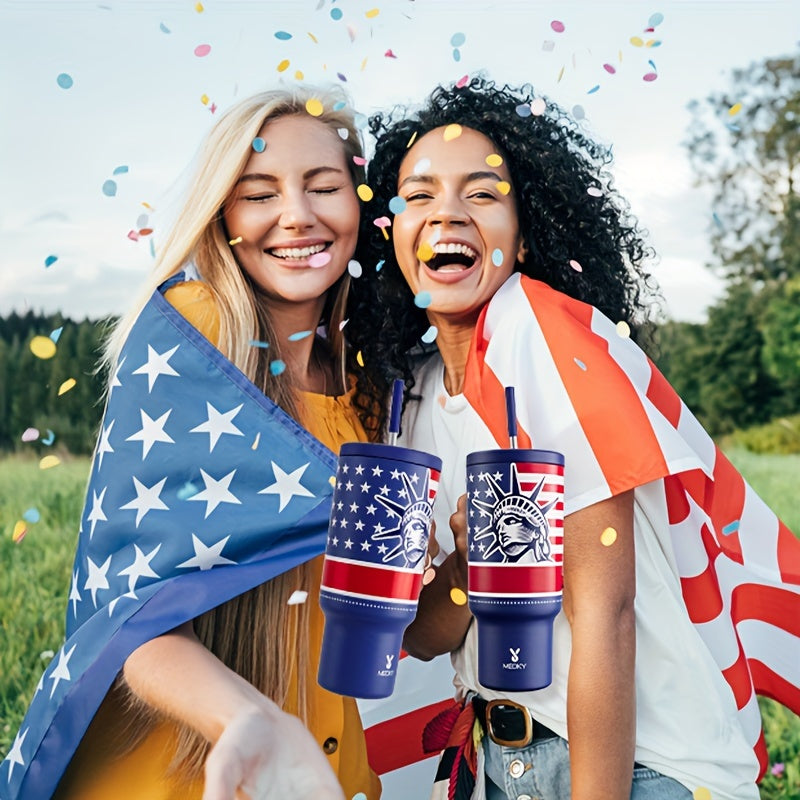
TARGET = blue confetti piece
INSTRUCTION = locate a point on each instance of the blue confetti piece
(259, 145)
(580, 364)
(339, 105)
(523, 110)
(360, 119)
(656, 43)
(186, 491)
(50, 260)
(64, 81)
(430, 334)
(50, 438)
(110, 188)
(120, 170)
(56, 334)
(594, 89)
(731, 527)
(497, 257)
(716, 219)
(732, 126)
(341, 77)
(578, 112)
(164, 28)
(655, 20)
(152, 249)
(652, 64)
(256, 343)
(380, 264)
(284, 36)
(423, 300)
(336, 13)
(397, 205)
(456, 55)
(31, 515)
(277, 367)
(296, 337)
(457, 39)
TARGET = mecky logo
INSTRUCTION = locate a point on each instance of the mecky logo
(389, 660)
(385, 673)
(514, 654)
(515, 663)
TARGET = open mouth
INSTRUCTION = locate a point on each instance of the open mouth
(294, 253)
(452, 257)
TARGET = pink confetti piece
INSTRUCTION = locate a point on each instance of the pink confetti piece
(462, 82)
(575, 265)
(389, 54)
(359, 160)
(649, 77)
(609, 69)
(30, 435)
(557, 26)
(202, 50)
(382, 222)
(319, 260)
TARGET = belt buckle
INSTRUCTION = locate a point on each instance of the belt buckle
(516, 730)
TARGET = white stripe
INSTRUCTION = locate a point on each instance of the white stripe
(388, 567)
(750, 719)
(719, 637)
(774, 646)
(517, 594)
(376, 598)
(690, 554)
(758, 536)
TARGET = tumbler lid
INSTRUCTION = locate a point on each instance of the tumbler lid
(500, 456)
(392, 453)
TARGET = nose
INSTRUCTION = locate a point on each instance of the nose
(296, 211)
(449, 211)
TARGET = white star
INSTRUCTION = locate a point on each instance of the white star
(385, 490)
(96, 514)
(156, 364)
(113, 604)
(365, 487)
(354, 507)
(339, 506)
(147, 499)
(371, 509)
(217, 424)
(345, 469)
(402, 493)
(359, 469)
(335, 541)
(152, 431)
(74, 594)
(216, 491)
(396, 474)
(382, 548)
(140, 568)
(348, 544)
(414, 477)
(365, 545)
(206, 557)
(378, 528)
(343, 523)
(333, 522)
(359, 525)
(97, 578)
(115, 381)
(61, 672)
(287, 485)
(15, 753)
(376, 470)
(348, 486)
(103, 445)
(498, 475)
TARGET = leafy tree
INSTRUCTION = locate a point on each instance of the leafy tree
(780, 328)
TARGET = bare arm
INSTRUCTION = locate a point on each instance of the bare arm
(440, 624)
(599, 588)
(256, 744)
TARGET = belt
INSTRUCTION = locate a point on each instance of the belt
(508, 723)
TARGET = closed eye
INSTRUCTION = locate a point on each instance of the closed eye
(329, 190)
(418, 196)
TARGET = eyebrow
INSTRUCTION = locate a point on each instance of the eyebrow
(265, 176)
(472, 176)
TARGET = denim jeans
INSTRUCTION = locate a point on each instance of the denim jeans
(542, 773)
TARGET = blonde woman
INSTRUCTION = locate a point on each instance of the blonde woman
(188, 624)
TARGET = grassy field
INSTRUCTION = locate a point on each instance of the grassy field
(35, 576)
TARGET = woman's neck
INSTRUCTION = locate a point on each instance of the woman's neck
(453, 340)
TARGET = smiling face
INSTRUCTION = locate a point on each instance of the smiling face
(296, 211)
(458, 237)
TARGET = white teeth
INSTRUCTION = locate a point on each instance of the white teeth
(453, 247)
(296, 252)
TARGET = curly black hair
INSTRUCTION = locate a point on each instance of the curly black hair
(552, 163)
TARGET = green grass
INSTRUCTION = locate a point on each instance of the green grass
(35, 577)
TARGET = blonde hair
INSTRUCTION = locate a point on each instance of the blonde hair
(257, 634)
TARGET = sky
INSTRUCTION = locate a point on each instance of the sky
(123, 91)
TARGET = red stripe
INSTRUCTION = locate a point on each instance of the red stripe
(373, 581)
(769, 604)
(677, 500)
(770, 684)
(515, 580)
(726, 506)
(762, 755)
(663, 396)
(397, 742)
(788, 555)
(738, 677)
(701, 593)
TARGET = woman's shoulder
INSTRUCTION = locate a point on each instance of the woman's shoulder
(195, 301)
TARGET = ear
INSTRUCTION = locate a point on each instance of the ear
(522, 252)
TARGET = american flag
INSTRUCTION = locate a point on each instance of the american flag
(739, 565)
(200, 489)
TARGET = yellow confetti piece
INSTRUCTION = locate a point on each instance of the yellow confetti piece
(312, 37)
(204, 99)
(620, 55)
(364, 192)
(560, 75)
(385, 234)
(363, 65)
(284, 65)
(360, 359)
(608, 537)
(299, 75)
(623, 329)
(504, 187)
(254, 446)
(411, 140)
(68, 384)
(649, 42)
(734, 109)
(314, 107)
(198, 7)
(232, 242)
(49, 461)
(332, 479)
(452, 132)
(458, 597)
(148, 206)
(494, 160)
(43, 347)
(425, 252)
(20, 529)
(636, 41)
(373, 12)
(701, 793)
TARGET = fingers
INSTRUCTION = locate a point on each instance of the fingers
(458, 524)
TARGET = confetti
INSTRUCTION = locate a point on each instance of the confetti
(314, 107)
(298, 597)
(145, 231)
(425, 252)
(235, 241)
(359, 359)
(283, 35)
(164, 28)
(30, 435)
(494, 160)
(594, 89)
(580, 364)
(456, 54)
(389, 54)
(364, 192)
(452, 132)
(538, 107)
(457, 39)
(383, 223)
(121, 170)
(20, 529)
(548, 45)
(623, 329)
(64, 80)
(421, 166)
(204, 99)
(608, 537)
(397, 205)
(462, 81)
(43, 347)
(609, 69)
(277, 367)
(254, 446)
(186, 491)
(372, 13)
(296, 337)
(504, 187)
(313, 38)
(430, 335)
(354, 268)
(497, 257)
(50, 260)
(68, 384)
(283, 66)
(649, 77)
(576, 265)
(458, 596)
(31, 515)
(731, 527)
(259, 145)
(655, 20)
(319, 260)
(652, 43)
(336, 13)
(343, 133)
(49, 461)
(343, 323)
(202, 50)
(298, 75)
(428, 576)
(701, 793)
(256, 343)
(50, 438)
(380, 264)
(636, 41)
(55, 335)
(557, 26)
(341, 77)
(523, 110)
(360, 160)
(423, 300)
(560, 75)
(198, 7)
(734, 109)
(594, 191)
(110, 188)
(332, 479)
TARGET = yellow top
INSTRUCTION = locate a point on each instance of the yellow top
(95, 774)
